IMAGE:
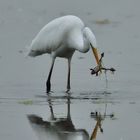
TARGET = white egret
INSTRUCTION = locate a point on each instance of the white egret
(60, 38)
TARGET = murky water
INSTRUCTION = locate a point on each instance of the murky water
(26, 112)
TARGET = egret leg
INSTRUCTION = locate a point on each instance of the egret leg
(51, 107)
(69, 70)
(68, 107)
(48, 83)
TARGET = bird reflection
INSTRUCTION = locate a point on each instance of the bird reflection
(98, 125)
(63, 128)
(57, 128)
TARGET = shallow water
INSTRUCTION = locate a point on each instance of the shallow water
(22, 80)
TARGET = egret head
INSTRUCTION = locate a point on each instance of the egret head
(92, 40)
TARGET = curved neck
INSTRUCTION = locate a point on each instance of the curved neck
(90, 37)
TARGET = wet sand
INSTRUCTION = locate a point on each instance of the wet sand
(22, 80)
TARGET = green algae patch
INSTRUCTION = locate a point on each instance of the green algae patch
(26, 102)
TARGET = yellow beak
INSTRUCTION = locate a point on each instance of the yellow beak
(95, 52)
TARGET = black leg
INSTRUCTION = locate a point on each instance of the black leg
(69, 70)
(51, 106)
(68, 107)
(48, 83)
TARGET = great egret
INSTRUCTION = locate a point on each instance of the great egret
(60, 38)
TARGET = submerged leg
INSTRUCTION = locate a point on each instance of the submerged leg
(69, 70)
(48, 83)
(68, 107)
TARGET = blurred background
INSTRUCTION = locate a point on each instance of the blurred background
(116, 27)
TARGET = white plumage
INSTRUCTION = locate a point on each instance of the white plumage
(60, 38)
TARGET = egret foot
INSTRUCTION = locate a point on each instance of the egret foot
(68, 91)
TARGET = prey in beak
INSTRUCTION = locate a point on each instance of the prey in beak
(99, 66)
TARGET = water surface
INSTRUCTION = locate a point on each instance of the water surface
(22, 80)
